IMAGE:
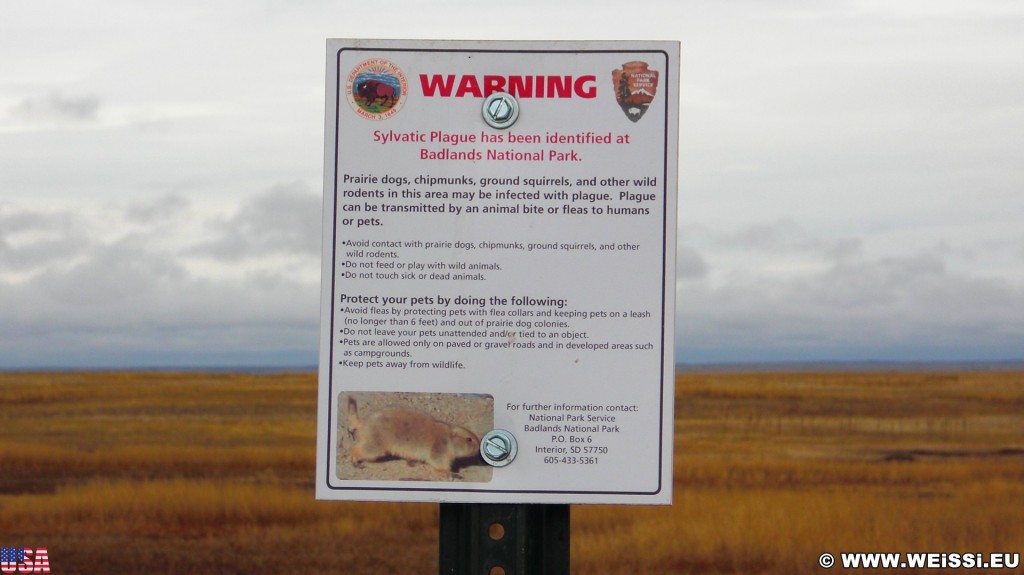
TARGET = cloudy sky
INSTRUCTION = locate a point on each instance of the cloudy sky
(852, 173)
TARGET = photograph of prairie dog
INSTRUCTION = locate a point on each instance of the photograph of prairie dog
(405, 436)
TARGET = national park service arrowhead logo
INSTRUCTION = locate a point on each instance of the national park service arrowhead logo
(635, 87)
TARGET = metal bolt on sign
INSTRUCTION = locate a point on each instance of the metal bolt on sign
(500, 110)
(498, 448)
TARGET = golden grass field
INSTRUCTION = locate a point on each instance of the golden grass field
(192, 473)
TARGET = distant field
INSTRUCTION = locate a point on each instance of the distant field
(191, 473)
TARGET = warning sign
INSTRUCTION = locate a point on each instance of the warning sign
(498, 272)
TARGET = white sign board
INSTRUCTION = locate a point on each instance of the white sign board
(517, 278)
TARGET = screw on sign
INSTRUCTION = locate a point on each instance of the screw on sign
(500, 110)
(498, 448)
(24, 560)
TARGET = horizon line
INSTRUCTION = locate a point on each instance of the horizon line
(680, 367)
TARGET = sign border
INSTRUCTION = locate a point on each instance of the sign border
(665, 249)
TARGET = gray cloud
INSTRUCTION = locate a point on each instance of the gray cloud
(776, 237)
(690, 264)
(161, 209)
(78, 294)
(889, 308)
(153, 314)
(112, 276)
(56, 108)
(30, 239)
(286, 219)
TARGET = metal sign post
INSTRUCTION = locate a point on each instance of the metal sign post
(499, 539)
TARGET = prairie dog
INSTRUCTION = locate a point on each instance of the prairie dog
(410, 435)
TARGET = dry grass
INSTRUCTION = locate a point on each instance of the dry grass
(212, 473)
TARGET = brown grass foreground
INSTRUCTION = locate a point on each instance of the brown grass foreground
(181, 473)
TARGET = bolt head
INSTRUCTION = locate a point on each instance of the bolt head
(500, 110)
(498, 447)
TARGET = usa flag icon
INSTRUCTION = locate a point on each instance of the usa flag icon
(23, 560)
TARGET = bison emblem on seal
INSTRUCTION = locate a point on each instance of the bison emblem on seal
(374, 91)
